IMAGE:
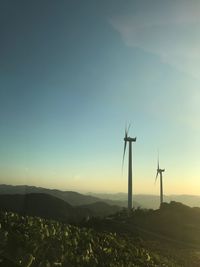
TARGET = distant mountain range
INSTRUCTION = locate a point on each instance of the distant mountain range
(73, 198)
(151, 201)
(55, 204)
(118, 199)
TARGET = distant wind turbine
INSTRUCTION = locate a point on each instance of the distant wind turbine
(160, 171)
(129, 140)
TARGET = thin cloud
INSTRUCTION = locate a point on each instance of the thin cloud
(170, 31)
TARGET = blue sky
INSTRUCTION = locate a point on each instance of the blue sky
(73, 73)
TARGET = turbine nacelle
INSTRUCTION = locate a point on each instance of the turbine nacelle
(160, 170)
(129, 139)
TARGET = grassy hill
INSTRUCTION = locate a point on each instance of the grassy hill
(167, 237)
(173, 220)
(172, 231)
(34, 242)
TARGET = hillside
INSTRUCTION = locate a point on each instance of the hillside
(173, 220)
(35, 242)
(101, 209)
(166, 237)
(47, 206)
(43, 205)
(172, 231)
(73, 198)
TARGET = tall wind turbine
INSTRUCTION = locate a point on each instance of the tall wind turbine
(160, 171)
(129, 140)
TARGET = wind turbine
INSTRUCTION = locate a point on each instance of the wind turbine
(160, 171)
(129, 140)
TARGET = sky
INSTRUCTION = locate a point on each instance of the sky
(74, 73)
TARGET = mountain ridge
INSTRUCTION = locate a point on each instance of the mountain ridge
(71, 197)
(50, 207)
(74, 198)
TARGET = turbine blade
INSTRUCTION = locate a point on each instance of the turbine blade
(158, 160)
(126, 133)
(125, 142)
(156, 177)
(128, 128)
(124, 153)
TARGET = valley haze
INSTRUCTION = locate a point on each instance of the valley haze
(118, 199)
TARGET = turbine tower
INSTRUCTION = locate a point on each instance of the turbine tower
(129, 140)
(160, 171)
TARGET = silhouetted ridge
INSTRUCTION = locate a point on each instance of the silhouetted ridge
(73, 198)
(175, 205)
(177, 212)
(42, 205)
(174, 220)
(47, 206)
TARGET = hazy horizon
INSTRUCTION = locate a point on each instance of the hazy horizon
(74, 73)
(86, 192)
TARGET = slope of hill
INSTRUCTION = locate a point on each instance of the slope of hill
(43, 205)
(47, 206)
(119, 199)
(173, 220)
(35, 242)
(101, 209)
(73, 198)
(166, 237)
(172, 231)
(177, 221)
(70, 197)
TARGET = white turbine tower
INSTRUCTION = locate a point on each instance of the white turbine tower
(129, 140)
(160, 171)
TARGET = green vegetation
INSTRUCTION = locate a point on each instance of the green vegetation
(168, 237)
(172, 231)
(31, 241)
